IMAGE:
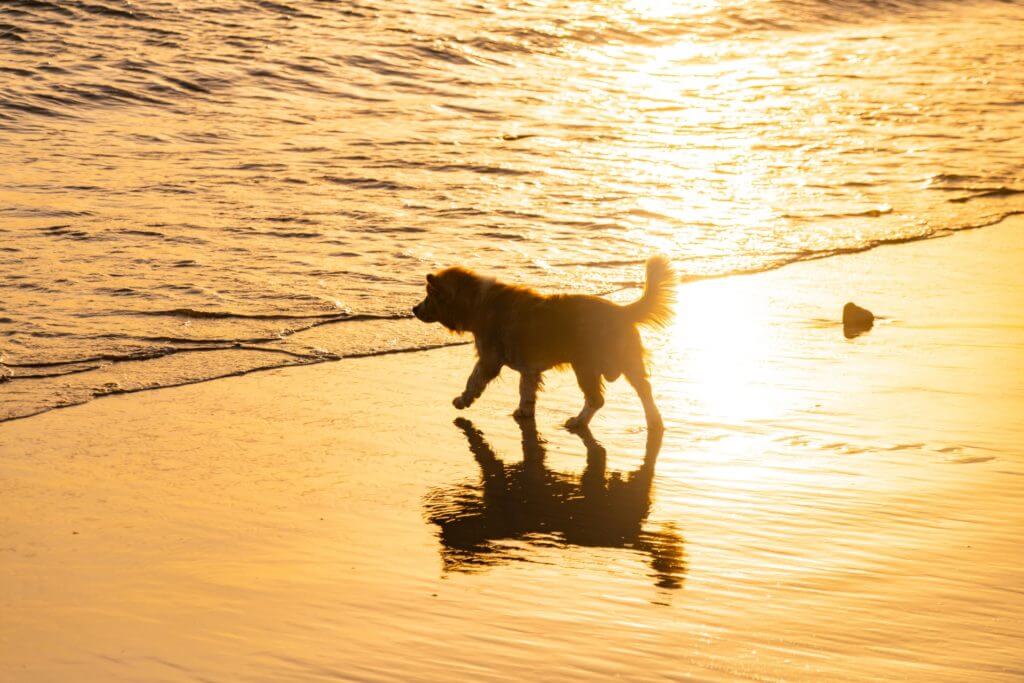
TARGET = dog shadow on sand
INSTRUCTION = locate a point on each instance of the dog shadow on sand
(523, 505)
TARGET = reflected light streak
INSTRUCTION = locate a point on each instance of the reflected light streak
(723, 338)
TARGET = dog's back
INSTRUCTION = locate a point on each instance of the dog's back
(540, 332)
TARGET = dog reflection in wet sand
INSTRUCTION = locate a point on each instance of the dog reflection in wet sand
(531, 333)
(527, 502)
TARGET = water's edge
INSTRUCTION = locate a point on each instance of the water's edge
(298, 359)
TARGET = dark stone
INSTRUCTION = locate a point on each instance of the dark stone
(856, 320)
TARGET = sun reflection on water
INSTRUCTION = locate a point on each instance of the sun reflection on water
(668, 8)
(723, 338)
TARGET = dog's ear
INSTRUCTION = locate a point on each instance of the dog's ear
(435, 286)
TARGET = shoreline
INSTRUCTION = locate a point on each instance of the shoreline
(117, 390)
(820, 507)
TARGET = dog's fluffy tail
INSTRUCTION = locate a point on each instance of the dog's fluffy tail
(655, 306)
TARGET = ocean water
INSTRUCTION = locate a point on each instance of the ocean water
(192, 189)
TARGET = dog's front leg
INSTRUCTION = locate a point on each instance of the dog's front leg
(483, 372)
(529, 383)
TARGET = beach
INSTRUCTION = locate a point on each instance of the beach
(821, 508)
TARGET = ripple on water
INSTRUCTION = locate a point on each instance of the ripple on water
(266, 174)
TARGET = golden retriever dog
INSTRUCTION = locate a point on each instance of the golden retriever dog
(531, 333)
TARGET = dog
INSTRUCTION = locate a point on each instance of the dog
(531, 333)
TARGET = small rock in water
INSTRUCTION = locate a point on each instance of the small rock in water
(856, 320)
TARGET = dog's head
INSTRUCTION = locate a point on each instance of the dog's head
(452, 298)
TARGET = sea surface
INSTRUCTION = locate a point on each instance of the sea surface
(190, 190)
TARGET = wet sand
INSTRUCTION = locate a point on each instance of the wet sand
(821, 507)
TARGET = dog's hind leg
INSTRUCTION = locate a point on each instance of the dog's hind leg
(529, 383)
(483, 372)
(593, 394)
(638, 379)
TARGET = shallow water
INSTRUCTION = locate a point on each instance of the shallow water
(245, 178)
(821, 508)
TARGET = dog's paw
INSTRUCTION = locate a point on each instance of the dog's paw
(521, 414)
(460, 402)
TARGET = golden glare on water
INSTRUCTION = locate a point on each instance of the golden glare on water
(825, 485)
(196, 190)
(272, 174)
(666, 8)
(726, 339)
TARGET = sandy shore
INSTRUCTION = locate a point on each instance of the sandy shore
(821, 508)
